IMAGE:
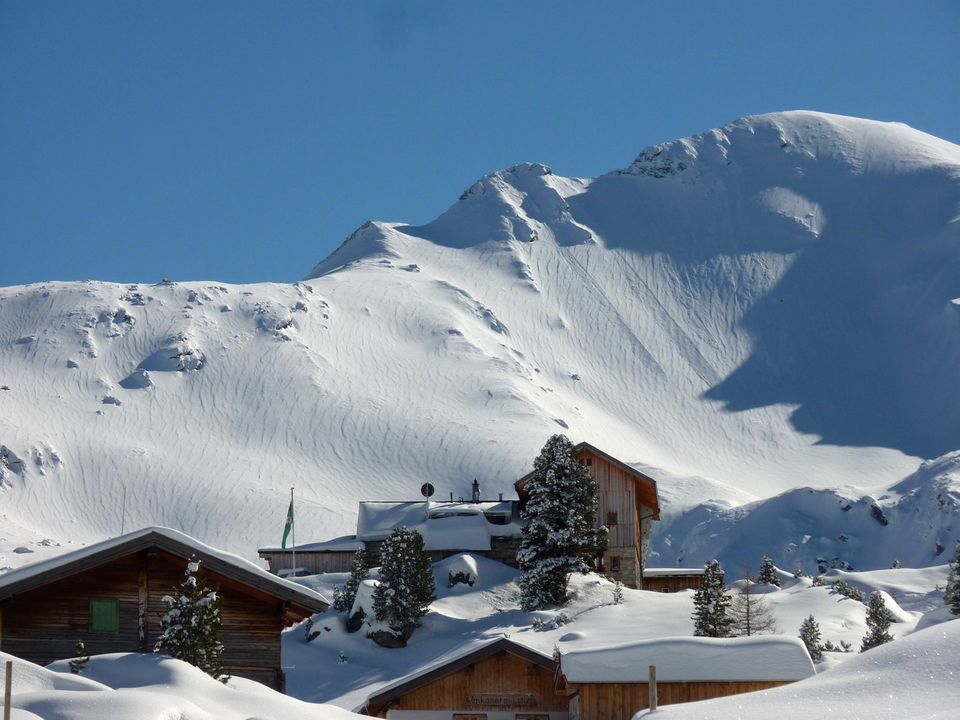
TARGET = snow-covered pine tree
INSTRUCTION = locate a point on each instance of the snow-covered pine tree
(406, 586)
(810, 634)
(78, 663)
(190, 624)
(359, 571)
(558, 537)
(951, 595)
(711, 604)
(768, 573)
(878, 623)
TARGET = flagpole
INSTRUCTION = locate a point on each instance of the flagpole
(293, 529)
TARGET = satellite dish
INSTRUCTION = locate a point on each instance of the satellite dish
(427, 490)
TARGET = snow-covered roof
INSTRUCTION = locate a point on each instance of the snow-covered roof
(692, 659)
(39, 573)
(444, 525)
(344, 543)
(375, 520)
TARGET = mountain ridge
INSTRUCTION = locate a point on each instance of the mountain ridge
(725, 325)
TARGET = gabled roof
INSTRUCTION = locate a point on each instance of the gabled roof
(691, 659)
(450, 663)
(646, 485)
(38, 574)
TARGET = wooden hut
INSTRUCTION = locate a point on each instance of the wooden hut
(110, 596)
(498, 679)
(611, 683)
(313, 558)
(673, 579)
(628, 505)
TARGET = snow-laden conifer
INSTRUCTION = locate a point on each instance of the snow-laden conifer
(406, 586)
(951, 595)
(878, 623)
(810, 634)
(190, 624)
(559, 535)
(768, 573)
(359, 571)
(711, 604)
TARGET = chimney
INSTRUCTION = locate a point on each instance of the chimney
(476, 491)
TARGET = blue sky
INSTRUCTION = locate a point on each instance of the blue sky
(242, 141)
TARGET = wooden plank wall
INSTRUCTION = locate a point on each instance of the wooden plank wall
(314, 562)
(620, 701)
(617, 493)
(500, 673)
(43, 625)
(672, 584)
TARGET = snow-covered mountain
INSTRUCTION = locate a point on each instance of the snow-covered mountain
(768, 306)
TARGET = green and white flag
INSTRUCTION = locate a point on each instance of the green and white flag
(288, 527)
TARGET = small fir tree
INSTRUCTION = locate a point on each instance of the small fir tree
(359, 571)
(750, 614)
(559, 535)
(711, 604)
(78, 663)
(190, 624)
(768, 573)
(617, 592)
(406, 586)
(951, 595)
(810, 634)
(878, 623)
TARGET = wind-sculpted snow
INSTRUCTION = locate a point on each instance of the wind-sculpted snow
(779, 312)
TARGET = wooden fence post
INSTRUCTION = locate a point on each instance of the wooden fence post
(7, 690)
(652, 688)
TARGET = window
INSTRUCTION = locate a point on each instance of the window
(105, 615)
(614, 564)
(611, 519)
(588, 462)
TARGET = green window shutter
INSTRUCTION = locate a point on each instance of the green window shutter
(105, 615)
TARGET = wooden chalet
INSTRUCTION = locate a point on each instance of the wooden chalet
(628, 506)
(611, 683)
(110, 596)
(499, 680)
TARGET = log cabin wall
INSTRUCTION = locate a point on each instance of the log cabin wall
(314, 562)
(672, 583)
(620, 701)
(617, 497)
(44, 624)
(494, 679)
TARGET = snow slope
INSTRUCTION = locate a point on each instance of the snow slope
(462, 618)
(130, 686)
(770, 305)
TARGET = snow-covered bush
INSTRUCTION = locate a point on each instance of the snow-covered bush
(190, 625)
(406, 586)
(617, 592)
(462, 570)
(559, 535)
(711, 604)
(841, 587)
(362, 607)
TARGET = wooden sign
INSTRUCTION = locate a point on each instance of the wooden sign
(502, 699)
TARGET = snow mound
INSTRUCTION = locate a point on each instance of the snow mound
(915, 677)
